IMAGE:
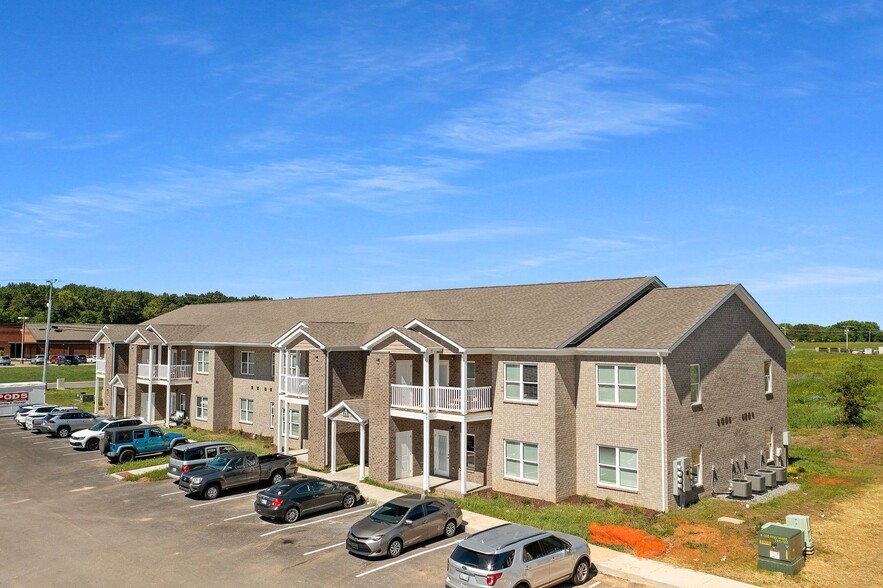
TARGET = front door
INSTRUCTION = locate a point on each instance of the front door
(404, 455)
(441, 445)
(146, 411)
(444, 372)
(404, 372)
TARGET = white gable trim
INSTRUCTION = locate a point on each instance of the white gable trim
(291, 335)
(136, 334)
(451, 343)
(153, 330)
(116, 381)
(340, 406)
(753, 306)
(394, 332)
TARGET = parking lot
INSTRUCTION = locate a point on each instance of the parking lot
(65, 521)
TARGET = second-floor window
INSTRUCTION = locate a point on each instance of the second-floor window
(202, 361)
(617, 384)
(768, 376)
(246, 410)
(470, 374)
(246, 363)
(522, 382)
(695, 388)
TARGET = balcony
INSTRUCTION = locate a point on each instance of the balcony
(442, 398)
(100, 365)
(297, 386)
(161, 372)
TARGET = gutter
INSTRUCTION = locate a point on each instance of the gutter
(664, 466)
(327, 402)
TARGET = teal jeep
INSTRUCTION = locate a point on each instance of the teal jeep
(126, 443)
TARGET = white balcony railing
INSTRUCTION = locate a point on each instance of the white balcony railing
(100, 366)
(161, 372)
(296, 386)
(442, 398)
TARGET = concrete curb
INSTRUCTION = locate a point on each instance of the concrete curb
(138, 471)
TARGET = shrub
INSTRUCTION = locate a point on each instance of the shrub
(852, 393)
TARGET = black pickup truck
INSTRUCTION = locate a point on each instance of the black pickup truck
(237, 468)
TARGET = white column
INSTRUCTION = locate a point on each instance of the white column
(426, 421)
(149, 415)
(287, 431)
(125, 401)
(169, 388)
(334, 447)
(103, 378)
(463, 408)
(361, 451)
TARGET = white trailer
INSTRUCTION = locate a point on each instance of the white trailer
(18, 393)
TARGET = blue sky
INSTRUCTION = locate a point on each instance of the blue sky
(299, 149)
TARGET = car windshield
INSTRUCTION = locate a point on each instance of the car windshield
(219, 463)
(99, 426)
(482, 561)
(389, 513)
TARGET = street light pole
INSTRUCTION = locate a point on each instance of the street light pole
(48, 324)
(847, 338)
(21, 351)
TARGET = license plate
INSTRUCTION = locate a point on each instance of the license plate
(264, 501)
(464, 577)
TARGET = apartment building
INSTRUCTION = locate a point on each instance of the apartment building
(543, 391)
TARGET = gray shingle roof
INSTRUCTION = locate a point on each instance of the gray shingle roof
(64, 332)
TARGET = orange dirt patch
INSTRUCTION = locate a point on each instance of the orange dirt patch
(644, 544)
(828, 481)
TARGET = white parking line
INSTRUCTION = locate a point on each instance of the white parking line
(83, 489)
(71, 455)
(210, 502)
(250, 514)
(60, 447)
(96, 459)
(404, 559)
(46, 441)
(349, 512)
(324, 548)
(594, 585)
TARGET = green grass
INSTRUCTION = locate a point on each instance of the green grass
(34, 373)
(68, 397)
(154, 476)
(138, 464)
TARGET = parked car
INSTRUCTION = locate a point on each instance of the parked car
(5, 360)
(402, 522)
(62, 425)
(91, 438)
(189, 456)
(38, 359)
(37, 422)
(67, 360)
(289, 499)
(21, 417)
(53, 359)
(235, 469)
(90, 359)
(518, 555)
(81, 358)
(124, 444)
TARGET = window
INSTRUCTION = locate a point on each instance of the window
(294, 424)
(470, 374)
(521, 382)
(768, 376)
(202, 408)
(617, 384)
(273, 366)
(139, 434)
(272, 415)
(246, 363)
(522, 461)
(202, 361)
(618, 467)
(470, 452)
(695, 389)
(246, 410)
(696, 465)
(532, 551)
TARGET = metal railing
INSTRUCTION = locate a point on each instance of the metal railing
(403, 396)
(161, 372)
(442, 398)
(100, 366)
(296, 386)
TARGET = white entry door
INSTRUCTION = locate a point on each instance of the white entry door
(146, 411)
(404, 372)
(404, 455)
(440, 453)
(444, 372)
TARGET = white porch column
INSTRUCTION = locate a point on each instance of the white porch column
(103, 378)
(361, 451)
(287, 427)
(426, 421)
(169, 387)
(149, 415)
(334, 447)
(463, 409)
(125, 400)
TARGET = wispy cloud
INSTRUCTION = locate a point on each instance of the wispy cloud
(470, 234)
(558, 110)
(14, 137)
(92, 141)
(262, 140)
(809, 277)
(71, 143)
(195, 41)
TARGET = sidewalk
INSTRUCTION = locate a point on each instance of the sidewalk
(610, 562)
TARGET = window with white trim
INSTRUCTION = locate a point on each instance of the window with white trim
(695, 387)
(246, 410)
(246, 363)
(202, 361)
(522, 382)
(617, 384)
(767, 376)
(272, 415)
(522, 461)
(294, 424)
(618, 467)
(470, 452)
(273, 365)
(696, 465)
(202, 408)
(470, 374)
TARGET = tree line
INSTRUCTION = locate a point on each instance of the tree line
(859, 331)
(75, 303)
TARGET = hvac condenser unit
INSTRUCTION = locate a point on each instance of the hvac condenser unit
(740, 489)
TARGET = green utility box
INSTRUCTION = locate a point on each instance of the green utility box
(780, 549)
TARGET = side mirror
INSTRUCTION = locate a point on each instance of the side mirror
(409, 522)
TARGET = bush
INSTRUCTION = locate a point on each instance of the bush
(852, 393)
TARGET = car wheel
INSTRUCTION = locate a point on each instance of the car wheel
(349, 500)
(63, 432)
(92, 444)
(450, 528)
(395, 548)
(126, 456)
(580, 572)
(277, 477)
(211, 492)
(291, 515)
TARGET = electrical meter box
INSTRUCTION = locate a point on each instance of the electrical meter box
(780, 549)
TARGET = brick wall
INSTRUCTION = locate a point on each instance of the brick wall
(259, 387)
(379, 370)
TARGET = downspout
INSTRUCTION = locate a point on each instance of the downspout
(662, 432)
(327, 401)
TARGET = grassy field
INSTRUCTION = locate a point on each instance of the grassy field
(34, 373)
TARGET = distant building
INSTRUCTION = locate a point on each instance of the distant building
(72, 339)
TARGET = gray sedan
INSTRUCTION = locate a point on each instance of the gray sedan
(403, 522)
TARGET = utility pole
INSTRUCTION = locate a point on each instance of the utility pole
(21, 351)
(48, 325)
(846, 330)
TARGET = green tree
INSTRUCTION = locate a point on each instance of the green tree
(852, 392)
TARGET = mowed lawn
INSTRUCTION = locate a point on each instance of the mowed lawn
(34, 373)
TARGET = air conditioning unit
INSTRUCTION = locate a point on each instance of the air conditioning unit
(740, 488)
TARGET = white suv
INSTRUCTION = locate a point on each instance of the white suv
(91, 438)
(22, 417)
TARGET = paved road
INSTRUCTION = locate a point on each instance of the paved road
(65, 522)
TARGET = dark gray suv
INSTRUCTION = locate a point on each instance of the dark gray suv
(516, 555)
